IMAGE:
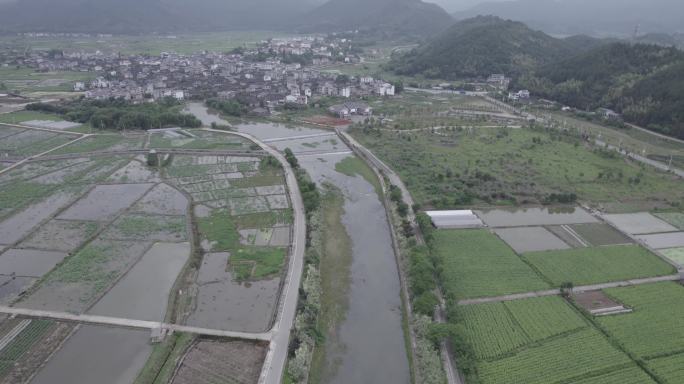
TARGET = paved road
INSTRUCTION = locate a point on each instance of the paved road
(445, 91)
(274, 140)
(276, 358)
(129, 323)
(645, 160)
(581, 289)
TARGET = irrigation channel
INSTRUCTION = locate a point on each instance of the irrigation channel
(368, 345)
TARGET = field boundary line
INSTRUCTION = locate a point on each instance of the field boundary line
(579, 289)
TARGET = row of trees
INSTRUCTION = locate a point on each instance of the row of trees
(120, 114)
(228, 107)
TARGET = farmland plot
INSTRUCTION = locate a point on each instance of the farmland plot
(669, 369)
(557, 360)
(675, 254)
(674, 218)
(655, 327)
(631, 375)
(477, 264)
(496, 329)
(211, 362)
(598, 265)
(76, 283)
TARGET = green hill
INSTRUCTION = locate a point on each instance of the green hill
(481, 46)
(393, 17)
(643, 82)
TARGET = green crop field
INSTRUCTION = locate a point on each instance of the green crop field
(587, 266)
(491, 330)
(496, 329)
(655, 328)
(503, 166)
(476, 263)
(631, 375)
(22, 343)
(577, 355)
(670, 369)
(674, 218)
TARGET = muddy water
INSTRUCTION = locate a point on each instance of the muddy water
(144, 292)
(372, 339)
(105, 202)
(225, 304)
(535, 216)
(22, 223)
(98, 355)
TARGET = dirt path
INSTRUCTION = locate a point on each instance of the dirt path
(584, 288)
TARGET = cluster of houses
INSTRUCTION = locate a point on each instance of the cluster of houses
(319, 50)
(265, 83)
(348, 109)
(522, 94)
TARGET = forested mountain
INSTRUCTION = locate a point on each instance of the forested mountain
(643, 82)
(484, 45)
(605, 17)
(142, 16)
(412, 17)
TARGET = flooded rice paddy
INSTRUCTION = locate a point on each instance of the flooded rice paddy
(520, 239)
(143, 293)
(639, 223)
(223, 303)
(98, 355)
(663, 240)
(22, 223)
(104, 202)
(29, 262)
(497, 218)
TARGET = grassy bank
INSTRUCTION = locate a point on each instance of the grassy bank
(335, 262)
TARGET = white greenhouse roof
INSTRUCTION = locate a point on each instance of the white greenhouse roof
(455, 219)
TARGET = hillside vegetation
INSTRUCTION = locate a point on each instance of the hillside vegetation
(643, 82)
(484, 45)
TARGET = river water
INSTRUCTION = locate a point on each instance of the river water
(372, 346)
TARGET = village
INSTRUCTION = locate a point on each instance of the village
(273, 73)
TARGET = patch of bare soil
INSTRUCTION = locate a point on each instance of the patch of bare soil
(213, 361)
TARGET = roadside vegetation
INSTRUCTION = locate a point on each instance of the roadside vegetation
(458, 167)
(164, 359)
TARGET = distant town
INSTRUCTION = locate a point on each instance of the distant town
(274, 73)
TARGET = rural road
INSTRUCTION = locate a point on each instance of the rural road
(645, 160)
(580, 289)
(276, 358)
(129, 323)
